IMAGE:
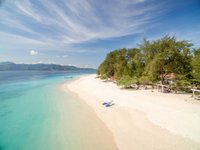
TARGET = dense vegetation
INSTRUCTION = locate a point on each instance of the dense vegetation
(152, 61)
(42, 67)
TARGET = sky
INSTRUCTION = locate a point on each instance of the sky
(82, 32)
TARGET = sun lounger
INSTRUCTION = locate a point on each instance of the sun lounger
(108, 104)
(104, 103)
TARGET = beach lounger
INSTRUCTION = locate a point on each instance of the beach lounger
(105, 103)
(108, 104)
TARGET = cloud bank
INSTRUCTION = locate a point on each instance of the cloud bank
(71, 22)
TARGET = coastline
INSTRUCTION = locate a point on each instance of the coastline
(87, 126)
(142, 119)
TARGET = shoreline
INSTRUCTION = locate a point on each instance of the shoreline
(94, 129)
(142, 119)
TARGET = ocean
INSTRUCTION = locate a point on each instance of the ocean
(35, 114)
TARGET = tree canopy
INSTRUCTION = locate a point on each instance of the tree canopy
(196, 65)
(151, 61)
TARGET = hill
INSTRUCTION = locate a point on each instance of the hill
(40, 67)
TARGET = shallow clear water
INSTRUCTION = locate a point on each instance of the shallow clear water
(35, 114)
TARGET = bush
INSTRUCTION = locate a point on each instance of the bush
(104, 76)
(182, 85)
(126, 81)
(144, 80)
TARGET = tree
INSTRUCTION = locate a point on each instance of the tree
(196, 65)
(126, 81)
(152, 61)
(114, 64)
(166, 55)
(120, 63)
(135, 62)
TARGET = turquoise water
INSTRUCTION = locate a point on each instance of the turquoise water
(36, 114)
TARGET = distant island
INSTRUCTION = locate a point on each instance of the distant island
(10, 66)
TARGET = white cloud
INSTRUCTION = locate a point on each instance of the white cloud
(71, 22)
(20, 40)
(25, 7)
(33, 52)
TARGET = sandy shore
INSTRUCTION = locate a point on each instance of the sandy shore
(143, 119)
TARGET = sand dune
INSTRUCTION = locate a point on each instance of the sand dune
(143, 119)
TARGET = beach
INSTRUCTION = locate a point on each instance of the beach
(142, 119)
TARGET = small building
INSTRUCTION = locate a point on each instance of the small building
(168, 78)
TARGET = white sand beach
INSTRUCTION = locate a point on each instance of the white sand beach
(141, 119)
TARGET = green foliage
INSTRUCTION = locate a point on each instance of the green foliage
(144, 80)
(152, 61)
(126, 81)
(104, 76)
(120, 63)
(135, 62)
(196, 65)
(166, 55)
(181, 85)
(113, 65)
(153, 69)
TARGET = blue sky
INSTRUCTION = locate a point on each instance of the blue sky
(82, 32)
